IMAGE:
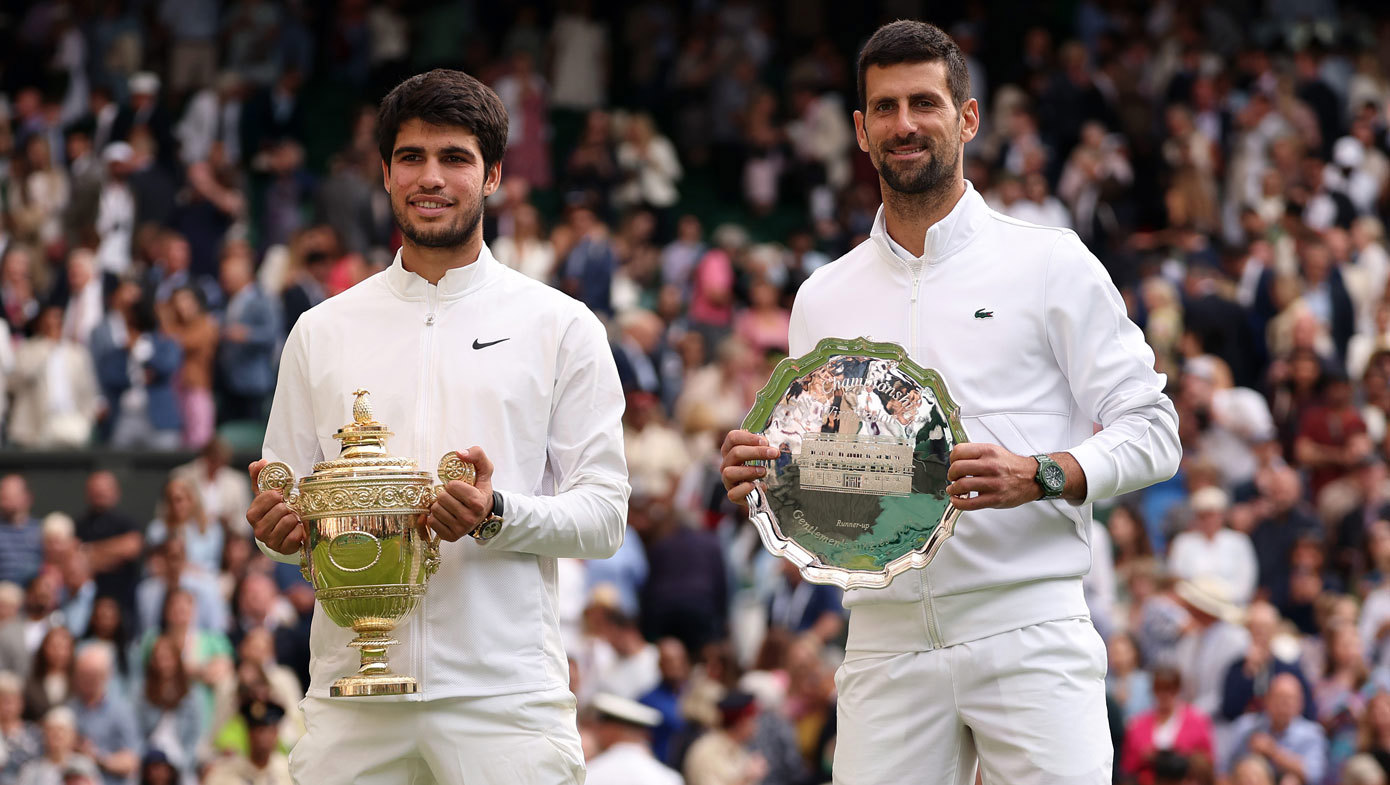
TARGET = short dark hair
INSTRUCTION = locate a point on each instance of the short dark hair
(1167, 676)
(908, 41)
(445, 97)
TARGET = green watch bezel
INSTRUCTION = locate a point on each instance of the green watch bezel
(1045, 462)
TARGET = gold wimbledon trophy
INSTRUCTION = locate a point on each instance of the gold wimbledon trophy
(367, 551)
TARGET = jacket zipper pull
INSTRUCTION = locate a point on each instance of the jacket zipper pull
(429, 318)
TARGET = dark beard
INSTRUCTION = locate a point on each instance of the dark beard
(936, 174)
(452, 236)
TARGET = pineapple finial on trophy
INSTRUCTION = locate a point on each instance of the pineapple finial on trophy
(362, 407)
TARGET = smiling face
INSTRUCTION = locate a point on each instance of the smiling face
(437, 181)
(910, 127)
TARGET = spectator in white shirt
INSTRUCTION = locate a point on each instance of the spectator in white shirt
(634, 671)
(1241, 429)
(116, 210)
(1210, 549)
(526, 249)
(650, 166)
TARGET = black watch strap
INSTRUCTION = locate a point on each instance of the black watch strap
(497, 505)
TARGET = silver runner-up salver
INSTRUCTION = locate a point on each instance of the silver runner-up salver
(858, 494)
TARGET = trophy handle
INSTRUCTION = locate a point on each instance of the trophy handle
(451, 468)
(278, 476)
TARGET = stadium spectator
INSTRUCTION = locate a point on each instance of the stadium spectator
(112, 540)
(185, 519)
(1292, 744)
(50, 675)
(1209, 549)
(263, 762)
(250, 336)
(1172, 726)
(54, 386)
(104, 718)
(60, 755)
(19, 739)
(137, 380)
(21, 539)
(167, 711)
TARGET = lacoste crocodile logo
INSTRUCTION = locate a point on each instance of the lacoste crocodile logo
(984, 314)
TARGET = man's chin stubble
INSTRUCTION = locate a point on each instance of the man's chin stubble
(921, 182)
(449, 239)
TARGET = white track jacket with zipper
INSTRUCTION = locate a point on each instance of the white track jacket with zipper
(1033, 341)
(490, 358)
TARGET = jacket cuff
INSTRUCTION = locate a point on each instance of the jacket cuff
(1102, 477)
(283, 558)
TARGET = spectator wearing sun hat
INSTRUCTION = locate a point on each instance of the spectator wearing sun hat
(624, 734)
(1213, 641)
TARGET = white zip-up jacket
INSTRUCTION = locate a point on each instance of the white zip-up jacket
(490, 358)
(1033, 341)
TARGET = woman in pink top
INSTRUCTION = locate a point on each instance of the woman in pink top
(712, 297)
(1171, 726)
(764, 325)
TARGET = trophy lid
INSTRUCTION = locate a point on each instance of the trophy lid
(364, 446)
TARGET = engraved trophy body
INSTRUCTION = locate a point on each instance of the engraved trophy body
(367, 551)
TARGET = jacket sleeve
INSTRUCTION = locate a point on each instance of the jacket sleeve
(85, 381)
(1110, 370)
(263, 324)
(586, 517)
(113, 372)
(1237, 692)
(167, 359)
(289, 433)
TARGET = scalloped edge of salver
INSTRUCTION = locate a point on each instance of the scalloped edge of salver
(760, 511)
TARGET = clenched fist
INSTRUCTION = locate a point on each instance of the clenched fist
(459, 510)
(274, 523)
(739, 447)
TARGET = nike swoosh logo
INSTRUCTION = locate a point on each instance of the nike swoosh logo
(477, 345)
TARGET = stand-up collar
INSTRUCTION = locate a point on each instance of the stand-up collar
(455, 283)
(946, 236)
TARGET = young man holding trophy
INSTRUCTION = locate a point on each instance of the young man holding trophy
(456, 350)
(986, 656)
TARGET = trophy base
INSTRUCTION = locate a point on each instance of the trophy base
(358, 685)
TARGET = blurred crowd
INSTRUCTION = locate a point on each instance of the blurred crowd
(181, 179)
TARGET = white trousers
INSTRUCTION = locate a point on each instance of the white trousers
(524, 739)
(1027, 705)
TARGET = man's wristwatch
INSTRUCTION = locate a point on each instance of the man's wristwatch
(1050, 476)
(492, 524)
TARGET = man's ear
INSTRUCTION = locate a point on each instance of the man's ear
(494, 179)
(859, 135)
(970, 120)
(386, 175)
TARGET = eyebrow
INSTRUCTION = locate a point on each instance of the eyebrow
(930, 95)
(449, 150)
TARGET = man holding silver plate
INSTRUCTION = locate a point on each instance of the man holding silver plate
(458, 580)
(931, 447)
